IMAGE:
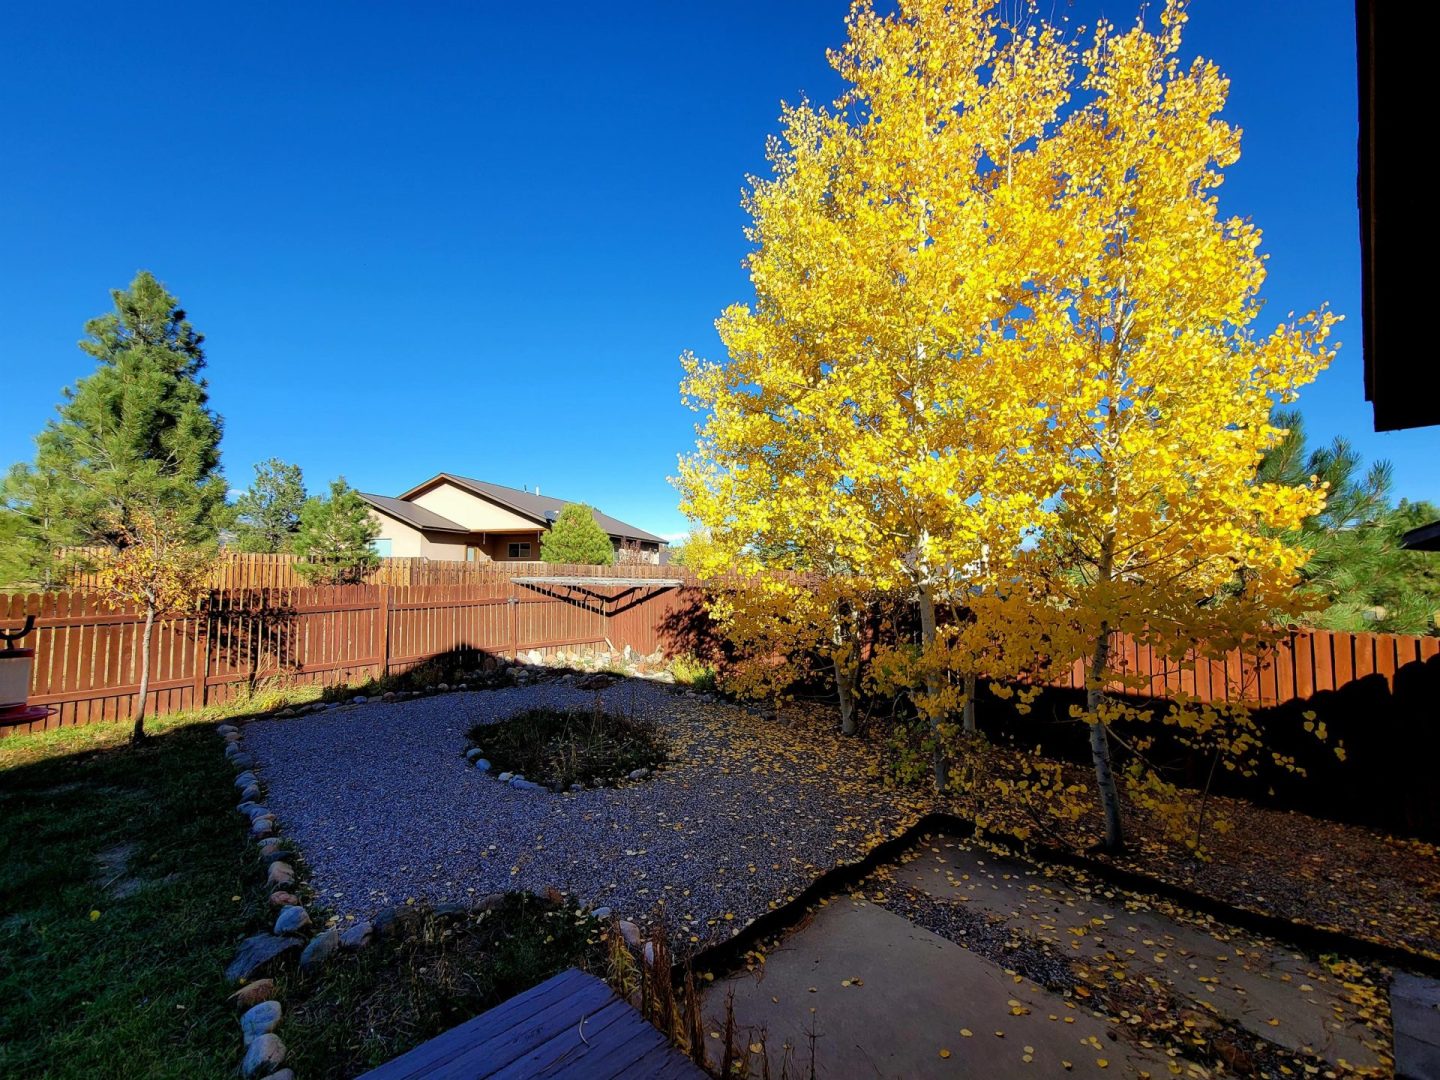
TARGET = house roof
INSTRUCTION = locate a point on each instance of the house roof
(411, 514)
(542, 509)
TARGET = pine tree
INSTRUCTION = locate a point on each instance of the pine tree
(266, 517)
(576, 537)
(136, 435)
(1359, 578)
(335, 541)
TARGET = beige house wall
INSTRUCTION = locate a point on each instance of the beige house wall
(405, 542)
(498, 547)
(476, 514)
(408, 542)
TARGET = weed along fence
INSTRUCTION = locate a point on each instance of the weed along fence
(87, 654)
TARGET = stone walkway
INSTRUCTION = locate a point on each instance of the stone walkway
(956, 962)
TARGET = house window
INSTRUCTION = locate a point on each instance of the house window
(472, 553)
(381, 546)
(519, 551)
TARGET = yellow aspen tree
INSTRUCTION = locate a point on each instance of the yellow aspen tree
(1140, 321)
(860, 403)
(158, 569)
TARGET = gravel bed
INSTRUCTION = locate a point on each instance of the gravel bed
(746, 813)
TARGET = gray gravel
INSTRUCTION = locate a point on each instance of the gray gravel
(385, 809)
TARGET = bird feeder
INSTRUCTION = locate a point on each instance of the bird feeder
(15, 667)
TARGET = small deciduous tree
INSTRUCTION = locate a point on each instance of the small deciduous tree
(336, 539)
(156, 567)
(267, 516)
(576, 537)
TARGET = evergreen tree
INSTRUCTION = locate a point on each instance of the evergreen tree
(1358, 576)
(336, 538)
(576, 537)
(266, 518)
(35, 529)
(136, 435)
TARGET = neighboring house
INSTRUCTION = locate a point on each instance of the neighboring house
(453, 517)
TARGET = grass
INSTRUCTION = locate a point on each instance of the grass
(375, 1004)
(560, 747)
(126, 879)
(121, 872)
(693, 672)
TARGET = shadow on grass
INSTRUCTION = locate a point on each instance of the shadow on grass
(121, 885)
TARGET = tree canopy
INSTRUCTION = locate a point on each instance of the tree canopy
(335, 541)
(137, 435)
(576, 537)
(267, 516)
(1003, 347)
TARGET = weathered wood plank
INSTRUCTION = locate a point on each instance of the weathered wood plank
(570, 1027)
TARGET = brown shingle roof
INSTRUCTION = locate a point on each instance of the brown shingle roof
(541, 509)
(411, 514)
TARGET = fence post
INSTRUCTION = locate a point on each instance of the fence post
(514, 604)
(384, 630)
(202, 652)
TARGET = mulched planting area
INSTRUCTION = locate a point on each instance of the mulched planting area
(745, 814)
(561, 747)
(1360, 881)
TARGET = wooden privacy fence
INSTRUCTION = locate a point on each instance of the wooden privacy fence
(87, 653)
(86, 662)
(1300, 665)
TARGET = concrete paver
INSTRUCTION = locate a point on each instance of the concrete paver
(1273, 991)
(911, 997)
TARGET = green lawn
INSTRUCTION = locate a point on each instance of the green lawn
(125, 881)
(123, 887)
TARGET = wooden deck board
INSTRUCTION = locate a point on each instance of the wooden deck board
(569, 1027)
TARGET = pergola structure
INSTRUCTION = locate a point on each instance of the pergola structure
(581, 590)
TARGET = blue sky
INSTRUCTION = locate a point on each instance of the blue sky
(474, 237)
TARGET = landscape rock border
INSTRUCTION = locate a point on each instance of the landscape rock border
(263, 1051)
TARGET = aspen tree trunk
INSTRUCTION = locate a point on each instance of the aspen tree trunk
(140, 701)
(967, 717)
(932, 681)
(845, 690)
(1099, 737)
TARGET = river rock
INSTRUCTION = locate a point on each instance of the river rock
(292, 918)
(320, 949)
(260, 1020)
(256, 953)
(253, 993)
(266, 1054)
(281, 874)
(357, 937)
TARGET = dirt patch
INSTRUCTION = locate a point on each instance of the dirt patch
(113, 871)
